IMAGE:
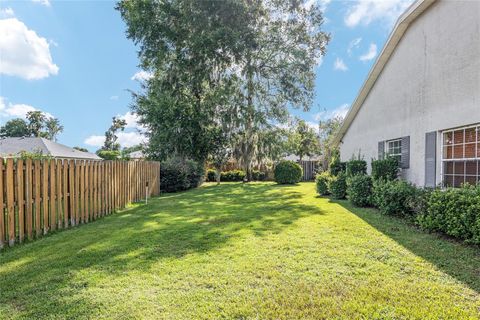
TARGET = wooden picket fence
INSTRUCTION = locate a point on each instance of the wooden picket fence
(39, 196)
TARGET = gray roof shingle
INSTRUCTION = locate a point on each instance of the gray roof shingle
(13, 146)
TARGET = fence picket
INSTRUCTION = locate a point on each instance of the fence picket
(2, 213)
(10, 185)
(39, 196)
(29, 198)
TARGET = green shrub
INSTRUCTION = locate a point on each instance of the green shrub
(338, 186)
(336, 166)
(354, 167)
(455, 212)
(211, 175)
(322, 180)
(392, 197)
(258, 175)
(177, 174)
(288, 172)
(108, 154)
(232, 176)
(359, 190)
(385, 169)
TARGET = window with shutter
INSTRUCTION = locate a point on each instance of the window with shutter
(461, 156)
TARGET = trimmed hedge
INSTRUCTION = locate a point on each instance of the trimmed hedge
(288, 172)
(359, 190)
(321, 181)
(338, 186)
(392, 197)
(452, 211)
(455, 212)
(355, 167)
(234, 175)
(385, 169)
(258, 175)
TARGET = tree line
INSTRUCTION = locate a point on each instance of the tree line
(37, 124)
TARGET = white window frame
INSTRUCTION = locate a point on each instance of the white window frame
(464, 160)
(387, 148)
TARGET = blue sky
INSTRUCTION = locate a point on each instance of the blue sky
(72, 60)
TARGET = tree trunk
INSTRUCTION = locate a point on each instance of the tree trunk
(217, 175)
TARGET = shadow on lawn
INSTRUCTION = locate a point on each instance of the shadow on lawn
(49, 277)
(459, 260)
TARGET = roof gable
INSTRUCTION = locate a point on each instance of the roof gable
(401, 26)
(14, 146)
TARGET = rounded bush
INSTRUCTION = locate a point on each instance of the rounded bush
(177, 174)
(211, 175)
(359, 190)
(321, 181)
(338, 186)
(393, 197)
(288, 172)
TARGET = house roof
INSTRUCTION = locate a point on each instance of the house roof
(403, 22)
(13, 146)
(137, 155)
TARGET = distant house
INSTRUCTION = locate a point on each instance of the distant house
(136, 155)
(421, 100)
(13, 147)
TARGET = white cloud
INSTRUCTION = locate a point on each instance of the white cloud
(340, 111)
(114, 98)
(131, 119)
(126, 139)
(353, 45)
(133, 136)
(43, 2)
(18, 110)
(340, 65)
(365, 11)
(130, 139)
(313, 125)
(321, 3)
(95, 141)
(370, 54)
(7, 12)
(24, 53)
(142, 76)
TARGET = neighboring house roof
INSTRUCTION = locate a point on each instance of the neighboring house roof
(13, 146)
(136, 155)
(403, 22)
(292, 157)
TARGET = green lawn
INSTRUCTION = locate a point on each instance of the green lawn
(256, 251)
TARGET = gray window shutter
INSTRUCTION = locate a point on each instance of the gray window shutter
(381, 150)
(405, 158)
(430, 158)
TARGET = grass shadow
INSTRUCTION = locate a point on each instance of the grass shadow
(459, 260)
(50, 277)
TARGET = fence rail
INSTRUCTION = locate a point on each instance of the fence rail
(39, 196)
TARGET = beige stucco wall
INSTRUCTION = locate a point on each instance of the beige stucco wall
(430, 83)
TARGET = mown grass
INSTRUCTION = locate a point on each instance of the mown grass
(254, 251)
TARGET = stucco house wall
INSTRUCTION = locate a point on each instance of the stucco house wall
(430, 83)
